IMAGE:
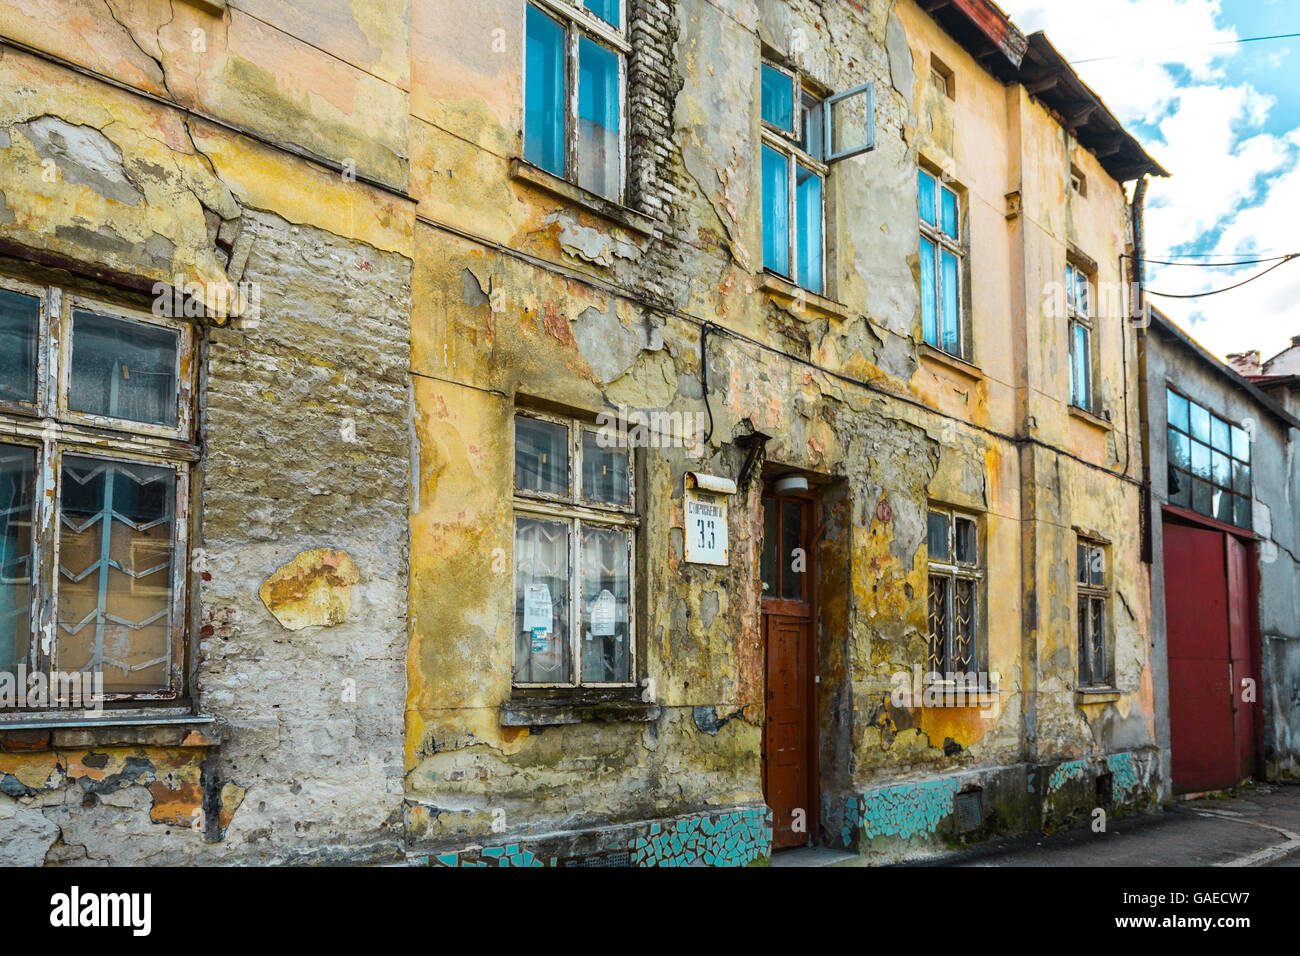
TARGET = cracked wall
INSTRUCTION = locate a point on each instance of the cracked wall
(158, 142)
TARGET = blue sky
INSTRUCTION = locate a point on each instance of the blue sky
(1225, 121)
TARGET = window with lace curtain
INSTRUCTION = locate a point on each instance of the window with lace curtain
(95, 455)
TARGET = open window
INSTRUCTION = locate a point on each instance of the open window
(804, 134)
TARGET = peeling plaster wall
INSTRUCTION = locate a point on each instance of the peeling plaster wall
(525, 296)
(299, 519)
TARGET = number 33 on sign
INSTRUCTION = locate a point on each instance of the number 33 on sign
(706, 527)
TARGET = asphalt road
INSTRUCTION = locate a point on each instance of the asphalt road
(1258, 827)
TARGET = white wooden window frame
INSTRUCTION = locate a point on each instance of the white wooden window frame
(579, 512)
(1080, 316)
(577, 20)
(789, 144)
(955, 570)
(52, 430)
(1092, 593)
(954, 245)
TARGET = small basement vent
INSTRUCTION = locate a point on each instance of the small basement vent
(969, 805)
(606, 859)
(1105, 789)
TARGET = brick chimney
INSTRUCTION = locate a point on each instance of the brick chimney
(1246, 363)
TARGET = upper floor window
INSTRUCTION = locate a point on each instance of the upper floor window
(1209, 462)
(575, 531)
(1096, 666)
(802, 136)
(95, 454)
(952, 540)
(942, 261)
(1078, 307)
(575, 91)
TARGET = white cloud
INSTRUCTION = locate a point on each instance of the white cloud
(1229, 175)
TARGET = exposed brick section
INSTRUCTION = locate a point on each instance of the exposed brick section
(653, 153)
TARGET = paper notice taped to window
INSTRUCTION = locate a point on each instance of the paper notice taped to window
(602, 614)
(537, 608)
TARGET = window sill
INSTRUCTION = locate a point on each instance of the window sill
(1096, 695)
(548, 709)
(949, 361)
(23, 733)
(787, 292)
(1088, 418)
(597, 205)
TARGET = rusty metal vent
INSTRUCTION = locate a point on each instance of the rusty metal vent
(969, 806)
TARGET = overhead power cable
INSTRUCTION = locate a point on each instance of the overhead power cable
(1193, 46)
(1219, 265)
(1202, 295)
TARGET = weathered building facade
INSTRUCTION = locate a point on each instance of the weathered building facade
(731, 379)
(194, 482)
(890, 331)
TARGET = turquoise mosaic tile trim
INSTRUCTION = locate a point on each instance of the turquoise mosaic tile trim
(732, 838)
(906, 810)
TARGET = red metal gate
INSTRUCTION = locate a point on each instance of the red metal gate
(1209, 633)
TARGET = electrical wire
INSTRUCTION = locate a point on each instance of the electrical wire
(1202, 295)
(1193, 46)
(1220, 265)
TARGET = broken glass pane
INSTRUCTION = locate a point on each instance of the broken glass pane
(544, 92)
(541, 601)
(115, 580)
(1180, 488)
(598, 119)
(17, 494)
(541, 456)
(20, 317)
(123, 369)
(606, 645)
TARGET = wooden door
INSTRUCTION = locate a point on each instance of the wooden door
(789, 614)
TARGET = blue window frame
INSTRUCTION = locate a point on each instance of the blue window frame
(942, 262)
(574, 82)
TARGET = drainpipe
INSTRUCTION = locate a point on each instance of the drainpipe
(1137, 276)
